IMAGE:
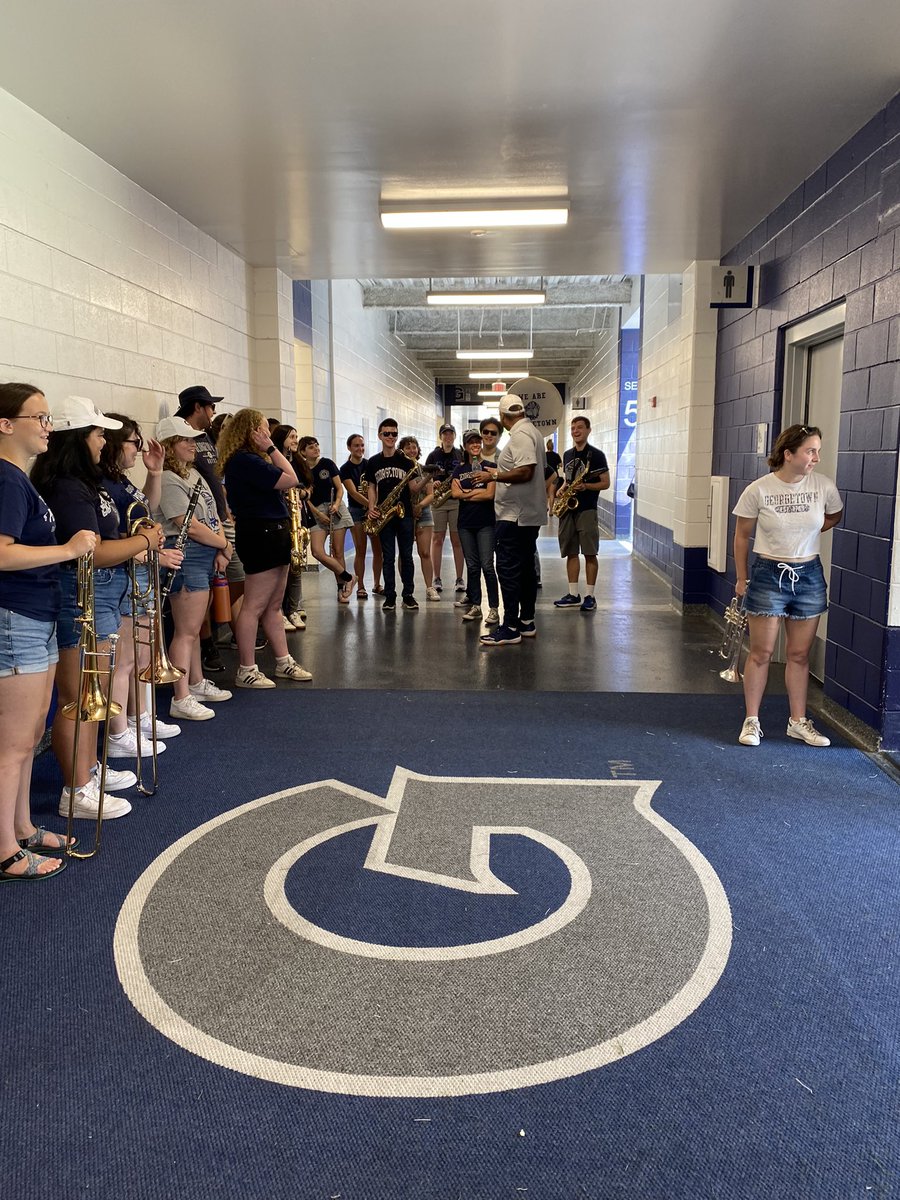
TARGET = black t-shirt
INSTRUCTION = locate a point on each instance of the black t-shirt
(250, 484)
(473, 514)
(445, 462)
(76, 505)
(25, 517)
(572, 462)
(205, 461)
(355, 472)
(323, 489)
(385, 473)
(554, 461)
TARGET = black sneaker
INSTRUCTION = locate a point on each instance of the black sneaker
(389, 606)
(261, 641)
(501, 636)
(410, 603)
(212, 661)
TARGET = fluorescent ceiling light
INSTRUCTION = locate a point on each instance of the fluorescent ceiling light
(474, 215)
(498, 374)
(496, 395)
(495, 354)
(480, 299)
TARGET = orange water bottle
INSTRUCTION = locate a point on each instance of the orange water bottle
(221, 599)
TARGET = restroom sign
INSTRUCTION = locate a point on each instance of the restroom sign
(731, 287)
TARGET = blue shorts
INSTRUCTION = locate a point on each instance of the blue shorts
(196, 571)
(142, 574)
(27, 647)
(784, 589)
(357, 514)
(426, 519)
(110, 586)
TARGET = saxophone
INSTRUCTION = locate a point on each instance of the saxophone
(390, 506)
(566, 498)
(441, 493)
(299, 533)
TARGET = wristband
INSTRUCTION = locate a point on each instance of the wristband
(146, 539)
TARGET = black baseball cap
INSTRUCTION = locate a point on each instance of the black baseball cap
(195, 395)
(446, 429)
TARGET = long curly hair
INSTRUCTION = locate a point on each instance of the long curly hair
(115, 439)
(170, 462)
(235, 436)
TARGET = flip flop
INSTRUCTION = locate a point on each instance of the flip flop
(37, 845)
(32, 873)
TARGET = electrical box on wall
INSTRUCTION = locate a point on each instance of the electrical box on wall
(717, 553)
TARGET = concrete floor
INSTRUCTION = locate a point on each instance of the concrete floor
(635, 642)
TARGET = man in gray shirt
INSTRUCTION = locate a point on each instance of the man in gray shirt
(521, 506)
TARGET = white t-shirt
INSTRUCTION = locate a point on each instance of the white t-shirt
(524, 503)
(789, 516)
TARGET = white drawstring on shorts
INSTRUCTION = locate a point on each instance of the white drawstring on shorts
(793, 575)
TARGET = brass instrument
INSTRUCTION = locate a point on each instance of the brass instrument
(299, 532)
(390, 506)
(566, 498)
(91, 706)
(441, 493)
(732, 643)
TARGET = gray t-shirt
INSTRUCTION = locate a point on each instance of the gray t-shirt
(174, 497)
(524, 503)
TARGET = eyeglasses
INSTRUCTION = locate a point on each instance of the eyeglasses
(45, 419)
(139, 442)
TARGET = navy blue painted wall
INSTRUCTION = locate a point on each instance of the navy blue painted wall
(836, 237)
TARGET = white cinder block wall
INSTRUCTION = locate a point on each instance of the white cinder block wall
(361, 373)
(107, 293)
(674, 438)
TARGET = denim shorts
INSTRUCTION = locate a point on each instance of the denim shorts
(142, 574)
(27, 647)
(426, 519)
(785, 589)
(357, 514)
(197, 569)
(110, 586)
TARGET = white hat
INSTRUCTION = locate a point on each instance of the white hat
(175, 427)
(77, 412)
(511, 404)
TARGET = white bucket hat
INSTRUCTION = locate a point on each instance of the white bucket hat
(172, 427)
(77, 412)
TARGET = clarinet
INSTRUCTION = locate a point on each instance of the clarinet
(182, 538)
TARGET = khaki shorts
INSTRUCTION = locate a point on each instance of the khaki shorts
(579, 533)
(446, 517)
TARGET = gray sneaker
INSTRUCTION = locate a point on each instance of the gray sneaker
(473, 613)
(493, 617)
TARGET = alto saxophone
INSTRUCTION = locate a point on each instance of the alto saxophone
(441, 493)
(567, 498)
(299, 533)
(390, 506)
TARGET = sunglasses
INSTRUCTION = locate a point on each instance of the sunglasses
(389, 432)
(139, 442)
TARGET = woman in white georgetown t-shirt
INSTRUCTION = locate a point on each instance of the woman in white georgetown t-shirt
(791, 508)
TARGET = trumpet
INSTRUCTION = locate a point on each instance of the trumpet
(92, 705)
(733, 642)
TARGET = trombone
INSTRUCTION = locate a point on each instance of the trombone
(91, 706)
(147, 633)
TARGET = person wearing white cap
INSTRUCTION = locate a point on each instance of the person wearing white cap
(521, 506)
(69, 478)
(206, 551)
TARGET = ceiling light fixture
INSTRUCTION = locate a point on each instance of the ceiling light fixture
(494, 354)
(511, 299)
(498, 374)
(473, 215)
(495, 395)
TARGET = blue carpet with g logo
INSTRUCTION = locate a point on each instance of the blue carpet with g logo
(622, 957)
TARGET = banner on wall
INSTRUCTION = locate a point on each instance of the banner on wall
(542, 400)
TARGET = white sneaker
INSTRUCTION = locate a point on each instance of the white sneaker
(493, 617)
(462, 602)
(297, 620)
(252, 677)
(293, 670)
(751, 732)
(804, 731)
(431, 593)
(116, 781)
(124, 745)
(163, 728)
(190, 709)
(473, 613)
(207, 690)
(87, 803)
(287, 623)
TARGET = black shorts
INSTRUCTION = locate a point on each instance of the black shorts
(262, 543)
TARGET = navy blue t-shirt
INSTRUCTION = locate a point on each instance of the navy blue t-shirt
(477, 514)
(26, 518)
(355, 472)
(77, 506)
(595, 460)
(123, 494)
(250, 487)
(323, 488)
